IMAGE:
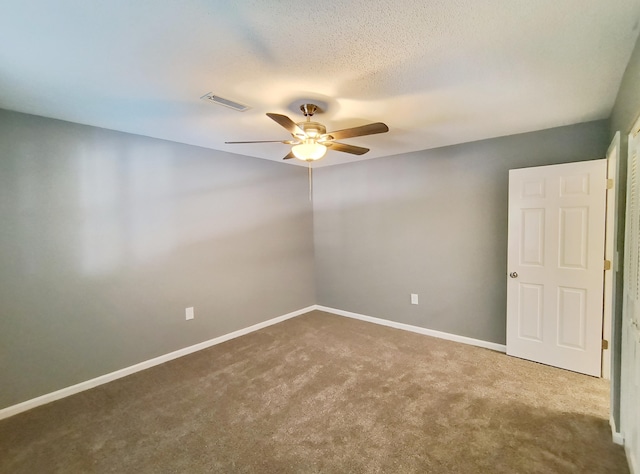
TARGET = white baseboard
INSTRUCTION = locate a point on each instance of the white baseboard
(88, 384)
(408, 327)
(82, 386)
(615, 434)
(631, 461)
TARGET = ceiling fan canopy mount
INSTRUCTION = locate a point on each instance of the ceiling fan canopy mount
(309, 109)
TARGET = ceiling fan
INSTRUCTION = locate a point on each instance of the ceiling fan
(311, 140)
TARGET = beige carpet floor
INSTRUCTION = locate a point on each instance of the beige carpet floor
(323, 393)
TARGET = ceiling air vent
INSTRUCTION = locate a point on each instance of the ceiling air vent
(210, 97)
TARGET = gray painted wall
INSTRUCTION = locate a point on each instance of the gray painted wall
(625, 112)
(434, 223)
(627, 106)
(106, 238)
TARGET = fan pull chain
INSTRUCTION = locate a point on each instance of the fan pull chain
(310, 182)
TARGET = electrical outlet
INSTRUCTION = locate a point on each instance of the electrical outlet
(414, 298)
(189, 313)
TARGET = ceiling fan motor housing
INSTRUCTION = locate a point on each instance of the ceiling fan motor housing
(312, 129)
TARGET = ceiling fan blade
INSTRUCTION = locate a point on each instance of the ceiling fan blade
(289, 156)
(287, 142)
(354, 150)
(287, 123)
(370, 129)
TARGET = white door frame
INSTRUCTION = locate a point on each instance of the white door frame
(611, 254)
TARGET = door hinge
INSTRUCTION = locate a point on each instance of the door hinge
(605, 344)
(610, 183)
(607, 265)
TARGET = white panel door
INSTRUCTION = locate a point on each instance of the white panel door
(556, 263)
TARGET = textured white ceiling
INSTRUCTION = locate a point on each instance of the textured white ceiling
(438, 72)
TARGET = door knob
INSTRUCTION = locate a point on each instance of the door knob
(513, 274)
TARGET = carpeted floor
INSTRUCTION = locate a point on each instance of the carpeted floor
(323, 393)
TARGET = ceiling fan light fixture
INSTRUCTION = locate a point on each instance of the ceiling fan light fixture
(311, 140)
(309, 150)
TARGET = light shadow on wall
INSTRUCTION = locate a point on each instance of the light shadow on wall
(139, 203)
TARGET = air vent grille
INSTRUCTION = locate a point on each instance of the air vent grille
(216, 99)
